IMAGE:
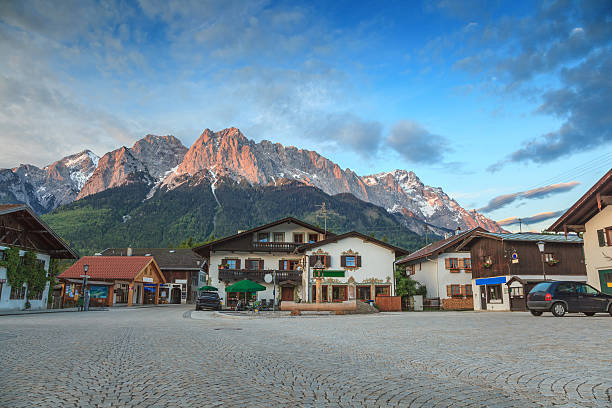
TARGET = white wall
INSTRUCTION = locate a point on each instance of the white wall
(433, 274)
(376, 261)
(6, 303)
(597, 258)
(289, 229)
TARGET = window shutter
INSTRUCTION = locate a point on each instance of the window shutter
(358, 261)
(448, 291)
(312, 260)
(447, 263)
(224, 262)
(281, 264)
(261, 264)
(327, 261)
(460, 263)
(602, 237)
(237, 263)
(343, 260)
(462, 290)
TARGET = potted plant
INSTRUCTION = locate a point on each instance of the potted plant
(552, 262)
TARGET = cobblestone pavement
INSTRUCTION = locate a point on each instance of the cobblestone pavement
(160, 357)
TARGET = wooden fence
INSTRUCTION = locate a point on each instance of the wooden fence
(389, 303)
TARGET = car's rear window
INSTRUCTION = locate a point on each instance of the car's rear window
(541, 287)
(209, 295)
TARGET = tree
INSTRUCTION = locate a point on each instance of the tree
(405, 286)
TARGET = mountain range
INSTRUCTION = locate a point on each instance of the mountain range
(162, 164)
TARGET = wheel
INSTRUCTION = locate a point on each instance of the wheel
(589, 313)
(536, 312)
(558, 309)
(610, 309)
(197, 309)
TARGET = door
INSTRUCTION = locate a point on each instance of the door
(287, 293)
(590, 298)
(517, 299)
(605, 278)
(566, 291)
(483, 297)
(175, 296)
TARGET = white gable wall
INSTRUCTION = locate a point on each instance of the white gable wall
(6, 303)
(434, 275)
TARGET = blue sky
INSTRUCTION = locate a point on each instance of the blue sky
(505, 105)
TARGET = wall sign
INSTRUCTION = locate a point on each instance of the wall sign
(147, 279)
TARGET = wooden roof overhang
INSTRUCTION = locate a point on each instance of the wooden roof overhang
(398, 251)
(591, 203)
(21, 227)
(204, 250)
(438, 247)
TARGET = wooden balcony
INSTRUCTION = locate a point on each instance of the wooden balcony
(275, 246)
(257, 275)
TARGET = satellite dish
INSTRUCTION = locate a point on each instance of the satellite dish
(268, 278)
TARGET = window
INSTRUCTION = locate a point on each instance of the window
(350, 261)
(383, 290)
(609, 236)
(411, 270)
(516, 291)
(494, 292)
(18, 293)
(313, 238)
(467, 263)
(549, 257)
(468, 290)
(36, 295)
(363, 292)
(323, 293)
(288, 264)
(601, 236)
(452, 263)
(254, 264)
(2, 255)
(339, 293)
(325, 260)
(456, 290)
(298, 237)
(263, 237)
(1, 284)
(279, 237)
(586, 289)
(232, 263)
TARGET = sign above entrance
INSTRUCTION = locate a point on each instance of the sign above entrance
(180, 281)
(147, 279)
(491, 281)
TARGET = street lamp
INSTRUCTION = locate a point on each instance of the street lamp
(541, 248)
(85, 291)
(318, 269)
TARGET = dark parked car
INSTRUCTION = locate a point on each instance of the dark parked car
(208, 300)
(567, 297)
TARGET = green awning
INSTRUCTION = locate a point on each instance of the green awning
(329, 273)
(245, 286)
(208, 288)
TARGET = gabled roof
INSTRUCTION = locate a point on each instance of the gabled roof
(166, 258)
(336, 238)
(21, 227)
(260, 228)
(522, 236)
(586, 207)
(438, 247)
(109, 267)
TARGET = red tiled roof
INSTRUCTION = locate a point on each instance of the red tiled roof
(108, 267)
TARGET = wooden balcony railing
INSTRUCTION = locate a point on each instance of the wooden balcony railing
(257, 275)
(276, 246)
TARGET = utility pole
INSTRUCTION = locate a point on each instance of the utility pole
(520, 225)
(426, 235)
(324, 213)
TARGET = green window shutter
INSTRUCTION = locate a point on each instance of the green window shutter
(601, 235)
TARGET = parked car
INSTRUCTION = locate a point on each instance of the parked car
(208, 300)
(563, 297)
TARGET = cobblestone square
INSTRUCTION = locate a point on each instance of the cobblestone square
(158, 357)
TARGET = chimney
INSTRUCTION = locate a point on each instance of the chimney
(129, 251)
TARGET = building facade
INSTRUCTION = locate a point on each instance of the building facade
(444, 271)
(285, 251)
(183, 269)
(591, 215)
(113, 281)
(506, 266)
(21, 228)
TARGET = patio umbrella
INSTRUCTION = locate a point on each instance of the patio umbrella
(245, 286)
(208, 288)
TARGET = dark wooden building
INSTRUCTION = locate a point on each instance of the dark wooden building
(505, 266)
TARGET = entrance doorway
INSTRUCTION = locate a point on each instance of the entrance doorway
(287, 293)
(149, 295)
(605, 279)
(364, 293)
(483, 297)
(175, 295)
(517, 298)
